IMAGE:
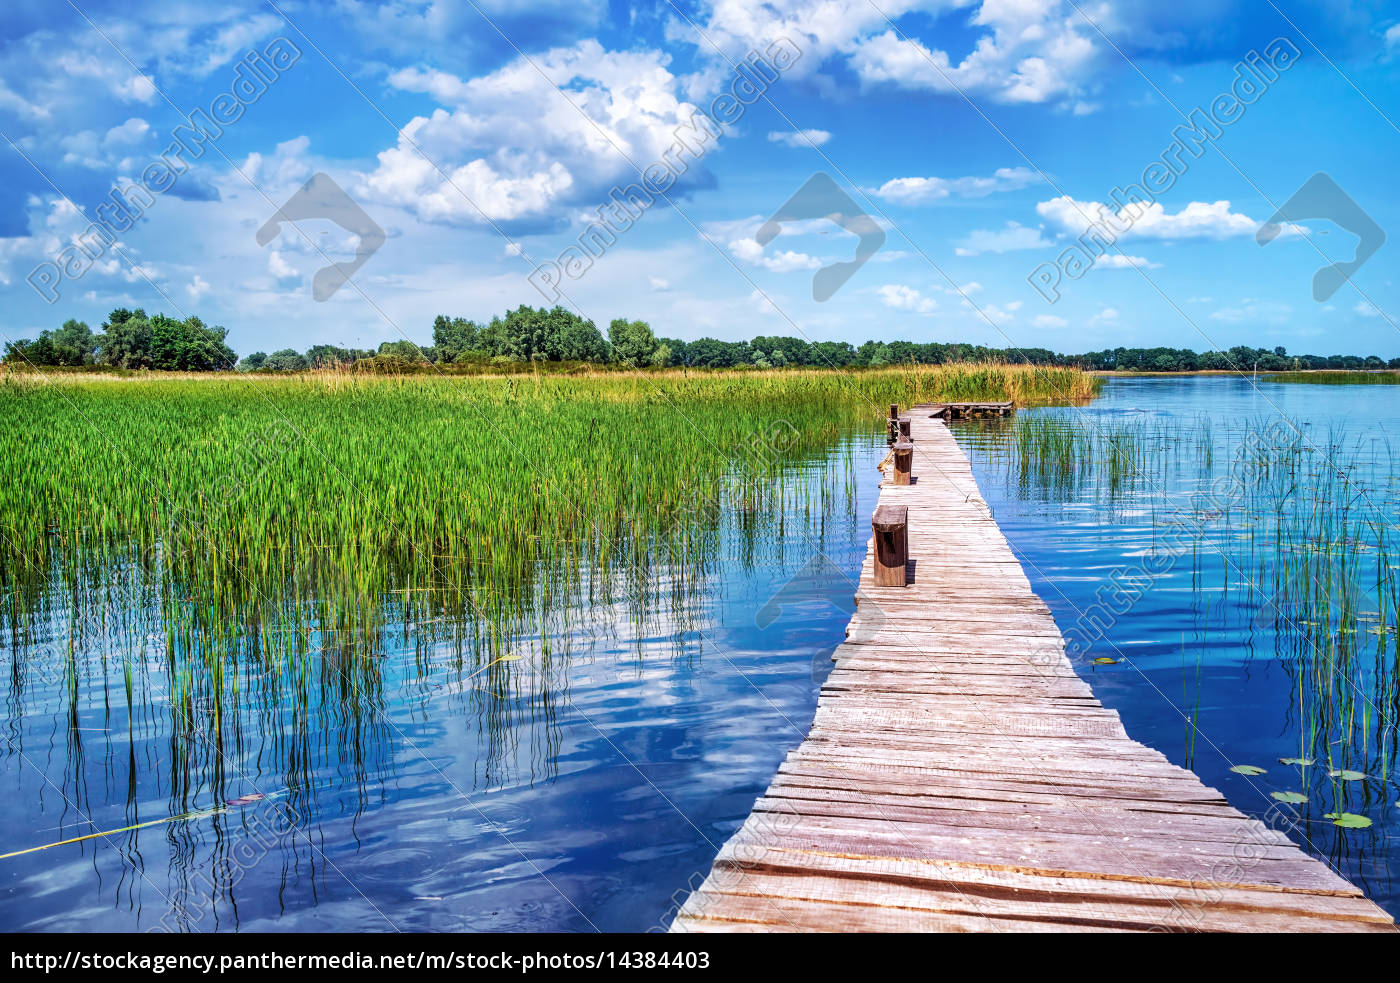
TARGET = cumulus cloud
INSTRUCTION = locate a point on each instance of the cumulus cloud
(784, 261)
(1020, 51)
(923, 190)
(1198, 220)
(799, 138)
(512, 146)
(904, 298)
(1122, 261)
(279, 267)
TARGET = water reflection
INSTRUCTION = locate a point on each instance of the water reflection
(1228, 582)
(559, 753)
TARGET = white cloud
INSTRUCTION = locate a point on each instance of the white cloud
(1392, 36)
(196, 288)
(659, 284)
(1019, 50)
(1108, 315)
(1198, 220)
(1049, 321)
(997, 314)
(1122, 261)
(519, 148)
(279, 267)
(778, 262)
(906, 299)
(1014, 236)
(922, 190)
(799, 138)
(1367, 309)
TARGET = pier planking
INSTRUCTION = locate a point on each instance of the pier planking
(960, 776)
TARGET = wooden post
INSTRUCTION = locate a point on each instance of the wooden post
(903, 461)
(891, 525)
(905, 423)
(892, 424)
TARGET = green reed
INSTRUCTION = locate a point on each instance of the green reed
(1301, 521)
(276, 536)
(1335, 377)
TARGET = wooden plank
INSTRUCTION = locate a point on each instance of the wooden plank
(960, 776)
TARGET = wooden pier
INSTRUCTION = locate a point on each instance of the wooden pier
(959, 776)
(964, 411)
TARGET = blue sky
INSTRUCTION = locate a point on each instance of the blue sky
(482, 137)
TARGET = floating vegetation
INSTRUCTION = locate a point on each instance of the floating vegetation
(1292, 798)
(1248, 770)
(1348, 820)
(1277, 539)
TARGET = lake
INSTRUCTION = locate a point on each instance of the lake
(585, 779)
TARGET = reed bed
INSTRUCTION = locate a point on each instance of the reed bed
(1290, 541)
(1336, 377)
(228, 559)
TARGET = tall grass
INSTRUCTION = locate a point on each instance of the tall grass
(1291, 529)
(274, 536)
(1336, 377)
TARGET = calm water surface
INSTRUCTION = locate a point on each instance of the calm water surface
(578, 787)
(1205, 666)
(585, 780)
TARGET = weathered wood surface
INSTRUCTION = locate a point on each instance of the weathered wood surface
(959, 776)
(959, 411)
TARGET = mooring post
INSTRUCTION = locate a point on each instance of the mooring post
(905, 425)
(903, 461)
(892, 424)
(891, 525)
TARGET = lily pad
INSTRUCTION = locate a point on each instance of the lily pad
(1348, 820)
(1248, 770)
(1293, 798)
(1104, 660)
(1304, 762)
(1347, 775)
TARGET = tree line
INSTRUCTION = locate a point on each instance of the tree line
(130, 340)
(135, 340)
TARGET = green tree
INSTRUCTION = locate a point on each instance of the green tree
(457, 339)
(253, 362)
(632, 342)
(126, 340)
(286, 360)
(74, 344)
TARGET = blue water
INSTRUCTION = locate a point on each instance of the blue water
(583, 789)
(589, 783)
(1192, 641)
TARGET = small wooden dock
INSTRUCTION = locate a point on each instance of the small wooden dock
(964, 411)
(959, 776)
